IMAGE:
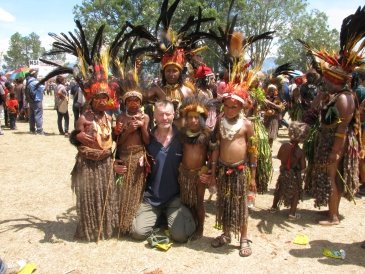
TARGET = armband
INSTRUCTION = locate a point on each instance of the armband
(253, 165)
(340, 135)
(252, 146)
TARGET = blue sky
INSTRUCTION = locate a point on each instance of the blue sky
(43, 16)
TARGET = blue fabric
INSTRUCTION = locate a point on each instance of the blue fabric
(162, 182)
(36, 117)
(360, 93)
(37, 91)
(285, 92)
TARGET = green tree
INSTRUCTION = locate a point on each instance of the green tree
(312, 28)
(22, 49)
(254, 17)
(259, 16)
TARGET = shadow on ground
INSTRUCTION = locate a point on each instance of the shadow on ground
(62, 229)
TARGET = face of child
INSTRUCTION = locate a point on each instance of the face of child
(133, 104)
(172, 74)
(231, 108)
(192, 121)
(100, 102)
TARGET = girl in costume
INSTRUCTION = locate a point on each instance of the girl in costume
(131, 134)
(289, 187)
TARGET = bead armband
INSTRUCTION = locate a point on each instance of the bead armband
(340, 135)
(253, 165)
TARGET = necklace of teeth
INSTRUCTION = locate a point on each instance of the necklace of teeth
(229, 129)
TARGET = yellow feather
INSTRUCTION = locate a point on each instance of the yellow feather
(236, 44)
(104, 59)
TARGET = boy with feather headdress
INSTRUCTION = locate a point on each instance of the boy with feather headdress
(234, 156)
(193, 173)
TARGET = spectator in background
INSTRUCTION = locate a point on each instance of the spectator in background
(35, 103)
(2, 101)
(78, 101)
(62, 98)
(13, 109)
(19, 93)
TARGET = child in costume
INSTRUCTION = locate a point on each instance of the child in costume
(193, 177)
(289, 187)
(131, 134)
(235, 163)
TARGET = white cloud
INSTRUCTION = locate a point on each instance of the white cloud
(6, 16)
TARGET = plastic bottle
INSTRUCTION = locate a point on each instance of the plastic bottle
(251, 199)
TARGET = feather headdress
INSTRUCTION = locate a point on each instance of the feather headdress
(94, 62)
(337, 67)
(233, 45)
(166, 45)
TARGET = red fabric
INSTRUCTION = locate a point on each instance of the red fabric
(203, 71)
(12, 105)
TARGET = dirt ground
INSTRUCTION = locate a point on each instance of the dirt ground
(38, 220)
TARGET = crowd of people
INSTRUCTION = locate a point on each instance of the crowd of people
(194, 131)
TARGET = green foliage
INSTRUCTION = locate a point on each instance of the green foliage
(22, 49)
(258, 16)
(312, 28)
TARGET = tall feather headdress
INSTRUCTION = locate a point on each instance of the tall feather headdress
(166, 45)
(94, 61)
(337, 66)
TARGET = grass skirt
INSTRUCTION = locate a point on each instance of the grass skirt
(232, 211)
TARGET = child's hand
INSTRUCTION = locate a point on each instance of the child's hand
(205, 178)
(252, 186)
(119, 167)
(118, 128)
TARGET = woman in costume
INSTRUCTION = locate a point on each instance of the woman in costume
(336, 157)
(92, 175)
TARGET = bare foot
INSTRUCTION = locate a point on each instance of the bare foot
(197, 235)
(329, 222)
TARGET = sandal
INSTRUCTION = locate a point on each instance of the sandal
(245, 248)
(155, 240)
(220, 241)
(296, 216)
(274, 209)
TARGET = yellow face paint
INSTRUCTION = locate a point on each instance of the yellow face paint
(193, 114)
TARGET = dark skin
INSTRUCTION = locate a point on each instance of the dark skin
(172, 75)
(87, 135)
(131, 129)
(194, 157)
(345, 106)
(297, 160)
(233, 151)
